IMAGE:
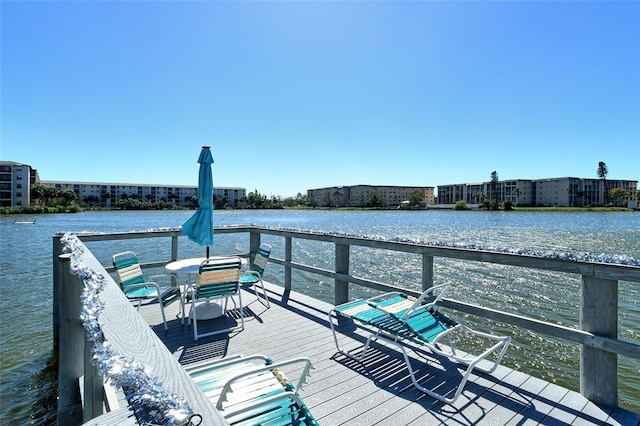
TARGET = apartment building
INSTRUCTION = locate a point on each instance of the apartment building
(107, 194)
(16, 180)
(359, 195)
(518, 191)
(15, 183)
(560, 192)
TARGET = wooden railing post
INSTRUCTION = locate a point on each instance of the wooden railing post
(174, 248)
(288, 248)
(254, 243)
(93, 386)
(427, 271)
(71, 350)
(599, 315)
(341, 291)
(58, 281)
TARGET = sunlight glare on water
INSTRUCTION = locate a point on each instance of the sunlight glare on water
(25, 275)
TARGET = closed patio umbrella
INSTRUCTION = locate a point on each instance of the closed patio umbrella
(199, 227)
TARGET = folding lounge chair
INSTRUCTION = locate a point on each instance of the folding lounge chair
(400, 319)
(284, 409)
(254, 390)
(134, 286)
(217, 279)
(253, 276)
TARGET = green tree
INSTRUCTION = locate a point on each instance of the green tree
(517, 191)
(92, 200)
(569, 189)
(67, 197)
(618, 195)
(460, 205)
(494, 191)
(38, 192)
(220, 202)
(107, 196)
(602, 170)
(49, 194)
(301, 199)
(192, 200)
(255, 200)
(416, 198)
(311, 201)
(337, 196)
(602, 175)
(479, 197)
(374, 200)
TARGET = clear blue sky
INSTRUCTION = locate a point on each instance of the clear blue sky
(296, 95)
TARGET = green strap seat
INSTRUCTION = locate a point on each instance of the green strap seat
(254, 390)
(137, 289)
(400, 319)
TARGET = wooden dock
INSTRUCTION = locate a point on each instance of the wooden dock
(379, 391)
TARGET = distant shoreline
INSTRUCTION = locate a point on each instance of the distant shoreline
(8, 211)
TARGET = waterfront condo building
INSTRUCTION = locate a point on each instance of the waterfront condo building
(16, 180)
(557, 192)
(360, 195)
(107, 194)
(15, 183)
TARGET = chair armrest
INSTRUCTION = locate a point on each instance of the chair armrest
(419, 303)
(145, 284)
(163, 290)
(376, 300)
(256, 371)
(251, 272)
(262, 402)
(228, 360)
(172, 277)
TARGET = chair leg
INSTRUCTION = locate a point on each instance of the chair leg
(181, 310)
(241, 311)
(195, 320)
(264, 293)
(346, 353)
(164, 319)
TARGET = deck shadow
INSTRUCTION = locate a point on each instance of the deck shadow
(179, 337)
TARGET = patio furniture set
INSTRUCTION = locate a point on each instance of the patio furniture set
(252, 390)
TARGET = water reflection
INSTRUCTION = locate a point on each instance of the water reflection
(25, 275)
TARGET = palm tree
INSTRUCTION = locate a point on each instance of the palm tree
(618, 195)
(494, 190)
(517, 191)
(602, 174)
(107, 196)
(569, 189)
(479, 197)
(337, 194)
(38, 192)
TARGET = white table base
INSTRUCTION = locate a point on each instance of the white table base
(207, 310)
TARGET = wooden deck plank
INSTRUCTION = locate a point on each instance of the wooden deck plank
(379, 390)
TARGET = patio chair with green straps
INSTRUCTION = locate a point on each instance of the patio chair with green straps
(254, 390)
(137, 289)
(402, 320)
(253, 276)
(218, 280)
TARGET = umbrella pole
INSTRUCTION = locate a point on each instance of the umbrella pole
(207, 252)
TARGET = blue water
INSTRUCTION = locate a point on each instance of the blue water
(25, 278)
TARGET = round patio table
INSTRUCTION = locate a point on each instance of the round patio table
(191, 266)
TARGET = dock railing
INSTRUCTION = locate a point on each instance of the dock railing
(597, 334)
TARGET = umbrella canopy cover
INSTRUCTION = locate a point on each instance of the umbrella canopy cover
(199, 227)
